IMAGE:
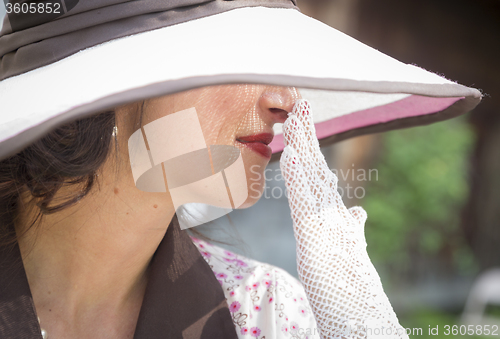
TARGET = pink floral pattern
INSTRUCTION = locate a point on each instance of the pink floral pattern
(235, 306)
(265, 302)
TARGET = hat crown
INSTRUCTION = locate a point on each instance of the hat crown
(40, 33)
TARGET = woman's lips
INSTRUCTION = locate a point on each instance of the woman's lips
(258, 143)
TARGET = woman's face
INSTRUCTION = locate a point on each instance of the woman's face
(236, 115)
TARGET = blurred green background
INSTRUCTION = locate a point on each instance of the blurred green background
(413, 228)
(414, 207)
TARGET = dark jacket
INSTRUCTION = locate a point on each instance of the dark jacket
(183, 298)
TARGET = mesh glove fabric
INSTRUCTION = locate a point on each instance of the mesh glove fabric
(342, 285)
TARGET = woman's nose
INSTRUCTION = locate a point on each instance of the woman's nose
(276, 101)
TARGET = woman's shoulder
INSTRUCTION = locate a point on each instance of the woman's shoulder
(265, 301)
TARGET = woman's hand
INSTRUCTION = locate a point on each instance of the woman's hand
(342, 285)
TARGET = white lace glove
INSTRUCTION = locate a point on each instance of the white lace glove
(342, 285)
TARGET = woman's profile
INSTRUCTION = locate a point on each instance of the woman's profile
(117, 116)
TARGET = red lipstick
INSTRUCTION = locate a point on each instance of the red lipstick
(258, 143)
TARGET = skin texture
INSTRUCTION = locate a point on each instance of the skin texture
(87, 265)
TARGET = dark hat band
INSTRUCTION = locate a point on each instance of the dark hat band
(29, 41)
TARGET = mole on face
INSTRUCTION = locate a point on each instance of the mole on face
(116, 190)
(155, 206)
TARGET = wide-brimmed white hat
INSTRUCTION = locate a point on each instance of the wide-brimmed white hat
(96, 55)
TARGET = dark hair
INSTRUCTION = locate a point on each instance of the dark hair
(68, 156)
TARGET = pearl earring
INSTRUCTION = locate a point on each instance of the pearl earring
(44, 333)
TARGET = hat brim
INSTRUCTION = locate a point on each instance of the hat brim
(351, 86)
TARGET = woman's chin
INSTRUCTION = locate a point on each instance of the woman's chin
(255, 166)
(248, 203)
(254, 195)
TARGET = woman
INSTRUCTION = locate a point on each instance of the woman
(94, 284)
(108, 259)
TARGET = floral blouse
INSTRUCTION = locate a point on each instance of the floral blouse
(265, 301)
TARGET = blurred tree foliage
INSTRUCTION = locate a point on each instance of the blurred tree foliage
(414, 208)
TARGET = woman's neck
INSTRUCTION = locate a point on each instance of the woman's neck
(87, 265)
